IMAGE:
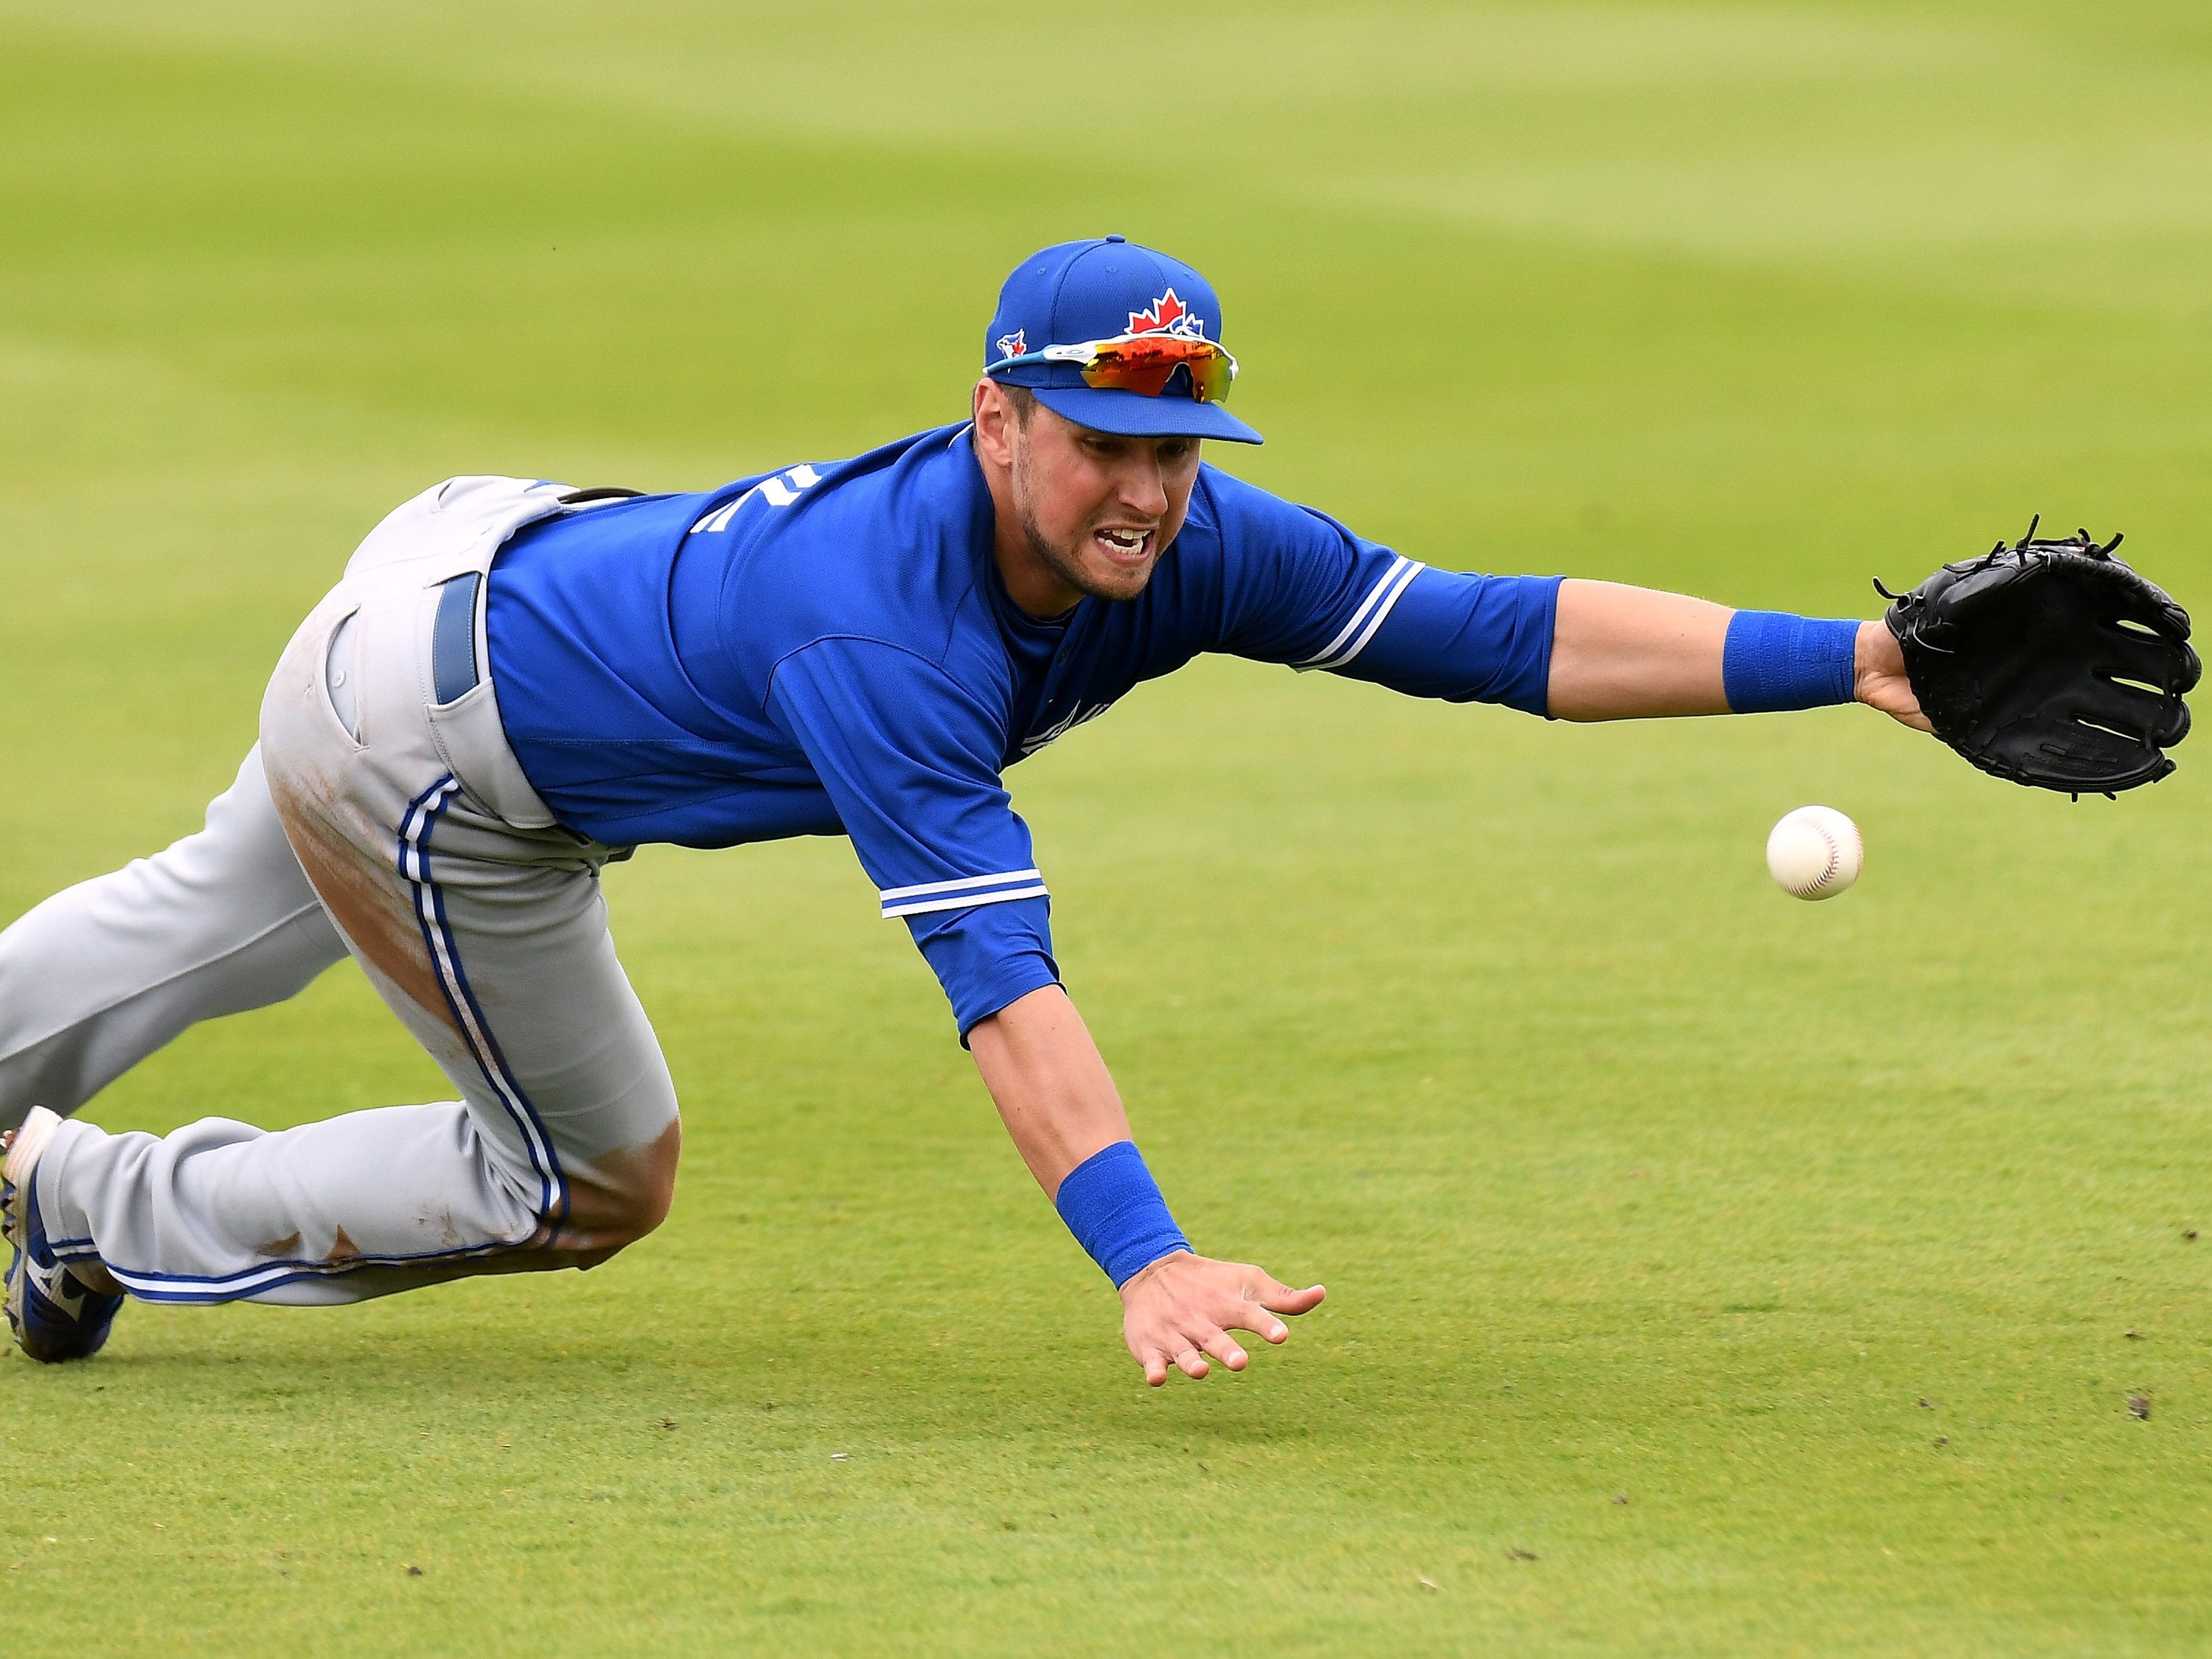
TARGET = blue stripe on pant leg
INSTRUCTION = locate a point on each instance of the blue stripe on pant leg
(149, 1287)
(444, 949)
(558, 1207)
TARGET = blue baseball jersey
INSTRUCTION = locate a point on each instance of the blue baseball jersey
(830, 650)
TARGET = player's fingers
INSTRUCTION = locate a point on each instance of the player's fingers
(1222, 1347)
(1263, 1325)
(1277, 1297)
(1151, 1353)
(1192, 1362)
(1247, 1313)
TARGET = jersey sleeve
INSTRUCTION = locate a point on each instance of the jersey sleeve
(1300, 588)
(911, 760)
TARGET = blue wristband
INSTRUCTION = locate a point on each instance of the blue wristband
(1773, 661)
(1113, 1206)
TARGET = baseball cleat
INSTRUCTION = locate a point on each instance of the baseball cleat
(55, 1314)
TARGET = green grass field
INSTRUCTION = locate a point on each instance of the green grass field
(1833, 1239)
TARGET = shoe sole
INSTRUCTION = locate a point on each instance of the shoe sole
(24, 1145)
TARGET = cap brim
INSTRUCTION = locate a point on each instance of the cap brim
(1132, 415)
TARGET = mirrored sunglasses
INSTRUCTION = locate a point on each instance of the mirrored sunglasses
(1142, 363)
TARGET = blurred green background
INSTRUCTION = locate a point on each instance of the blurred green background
(1834, 1240)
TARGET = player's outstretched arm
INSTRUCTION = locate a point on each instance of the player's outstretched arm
(1060, 1104)
(1621, 652)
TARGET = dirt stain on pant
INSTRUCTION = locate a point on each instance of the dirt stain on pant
(622, 1195)
(366, 895)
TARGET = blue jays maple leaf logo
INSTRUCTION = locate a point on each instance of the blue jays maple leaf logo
(1167, 315)
(1012, 345)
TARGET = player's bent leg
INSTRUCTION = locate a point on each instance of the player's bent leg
(562, 1151)
(352, 1207)
(491, 946)
(104, 973)
(483, 928)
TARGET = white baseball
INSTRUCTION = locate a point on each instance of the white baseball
(1815, 852)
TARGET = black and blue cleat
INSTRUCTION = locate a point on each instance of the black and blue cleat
(54, 1314)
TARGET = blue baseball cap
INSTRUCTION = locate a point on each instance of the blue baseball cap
(1097, 289)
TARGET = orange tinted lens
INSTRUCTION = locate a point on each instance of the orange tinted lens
(1145, 366)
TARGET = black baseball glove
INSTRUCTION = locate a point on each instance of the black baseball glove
(2049, 663)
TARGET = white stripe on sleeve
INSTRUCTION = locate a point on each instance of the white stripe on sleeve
(888, 894)
(963, 901)
(960, 892)
(1377, 606)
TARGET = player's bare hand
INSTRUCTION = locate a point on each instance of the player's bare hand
(1879, 673)
(1180, 1311)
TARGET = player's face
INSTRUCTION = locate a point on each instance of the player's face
(1095, 510)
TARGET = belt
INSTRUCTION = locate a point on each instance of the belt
(453, 671)
(454, 639)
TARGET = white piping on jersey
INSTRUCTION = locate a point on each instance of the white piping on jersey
(1380, 598)
(773, 491)
(960, 892)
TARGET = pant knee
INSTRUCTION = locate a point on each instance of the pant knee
(628, 1218)
(621, 1197)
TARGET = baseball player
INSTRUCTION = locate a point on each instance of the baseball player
(516, 682)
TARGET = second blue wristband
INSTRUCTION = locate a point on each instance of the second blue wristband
(1774, 661)
(1113, 1206)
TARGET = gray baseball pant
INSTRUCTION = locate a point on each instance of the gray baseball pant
(384, 814)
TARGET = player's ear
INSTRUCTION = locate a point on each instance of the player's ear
(997, 423)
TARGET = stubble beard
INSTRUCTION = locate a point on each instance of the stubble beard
(1063, 564)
